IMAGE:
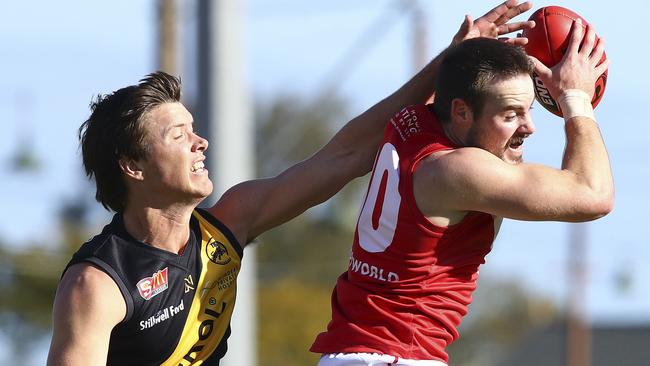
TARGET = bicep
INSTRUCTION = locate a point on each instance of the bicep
(87, 306)
(479, 181)
(526, 192)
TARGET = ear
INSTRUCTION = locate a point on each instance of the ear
(461, 112)
(131, 168)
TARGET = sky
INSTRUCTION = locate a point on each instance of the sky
(57, 55)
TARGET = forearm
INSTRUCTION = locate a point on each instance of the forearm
(362, 134)
(420, 88)
(586, 157)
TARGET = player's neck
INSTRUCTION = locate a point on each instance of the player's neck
(167, 228)
(452, 133)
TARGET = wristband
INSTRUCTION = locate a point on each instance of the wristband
(575, 103)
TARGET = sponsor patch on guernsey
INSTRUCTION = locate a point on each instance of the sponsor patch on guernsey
(161, 316)
(149, 287)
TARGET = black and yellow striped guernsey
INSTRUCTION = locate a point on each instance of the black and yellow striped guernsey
(178, 306)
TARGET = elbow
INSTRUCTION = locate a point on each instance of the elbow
(606, 205)
(598, 206)
(357, 165)
(351, 160)
(600, 211)
(604, 201)
(364, 165)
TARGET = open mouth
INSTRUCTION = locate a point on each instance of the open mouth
(198, 167)
(516, 142)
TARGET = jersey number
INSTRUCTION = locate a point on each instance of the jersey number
(378, 218)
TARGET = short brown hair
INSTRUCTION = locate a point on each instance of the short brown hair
(115, 130)
(468, 69)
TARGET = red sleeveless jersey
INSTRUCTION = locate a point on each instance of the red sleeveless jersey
(409, 282)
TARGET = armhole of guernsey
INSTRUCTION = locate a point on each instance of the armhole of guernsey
(125, 292)
(204, 214)
(206, 329)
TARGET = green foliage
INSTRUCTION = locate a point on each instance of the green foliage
(300, 260)
(30, 286)
(25, 160)
(28, 281)
(291, 313)
(313, 250)
(502, 314)
(314, 246)
(290, 129)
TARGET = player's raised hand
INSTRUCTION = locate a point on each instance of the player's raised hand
(580, 66)
(495, 23)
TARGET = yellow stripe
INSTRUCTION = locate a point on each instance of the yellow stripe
(214, 300)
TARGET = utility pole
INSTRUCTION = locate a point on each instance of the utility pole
(578, 335)
(224, 116)
(167, 37)
(419, 29)
(419, 37)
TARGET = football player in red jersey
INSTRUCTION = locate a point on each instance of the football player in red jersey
(444, 177)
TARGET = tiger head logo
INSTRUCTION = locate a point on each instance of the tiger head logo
(217, 252)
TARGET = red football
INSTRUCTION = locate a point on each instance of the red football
(548, 42)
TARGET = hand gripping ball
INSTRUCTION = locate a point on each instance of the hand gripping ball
(548, 41)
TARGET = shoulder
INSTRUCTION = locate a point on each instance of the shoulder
(452, 179)
(85, 290)
(86, 276)
(87, 306)
(451, 164)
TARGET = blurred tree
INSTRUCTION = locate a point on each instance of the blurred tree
(315, 244)
(290, 129)
(28, 280)
(25, 160)
(299, 261)
(501, 315)
(293, 312)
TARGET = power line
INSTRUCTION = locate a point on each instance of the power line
(363, 43)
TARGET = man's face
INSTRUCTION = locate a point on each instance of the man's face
(505, 120)
(174, 167)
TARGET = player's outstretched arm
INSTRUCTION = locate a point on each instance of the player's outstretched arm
(253, 207)
(87, 306)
